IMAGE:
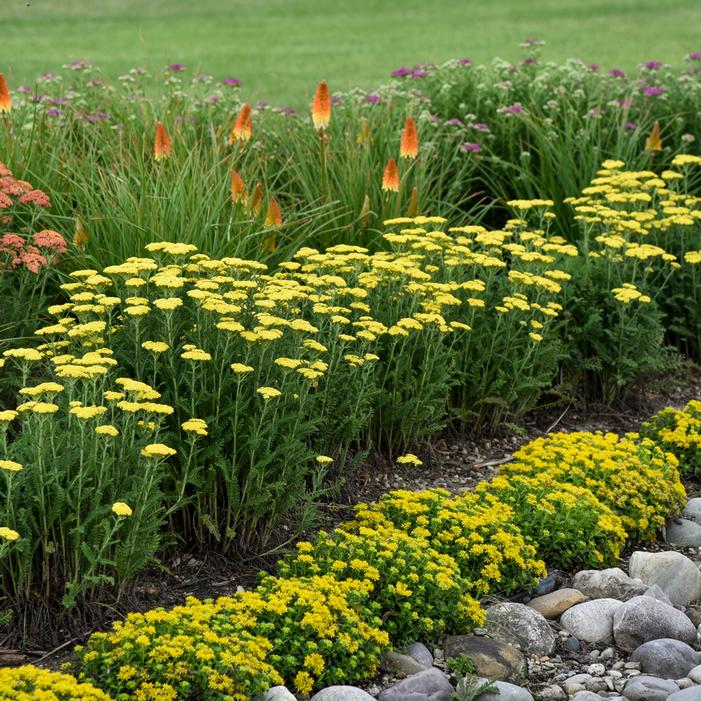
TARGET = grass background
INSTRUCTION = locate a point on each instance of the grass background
(280, 49)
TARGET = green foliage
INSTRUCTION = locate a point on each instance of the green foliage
(460, 666)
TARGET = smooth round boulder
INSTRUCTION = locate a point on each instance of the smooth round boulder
(342, 693)
(691, 693)
(643, 618)
(421, 654)
(553, 605)
(692, 510)
(586, 696)
(507, 692)
(278, 693)
(491, 658)
(591, 621)
(517, 624)
(646, 688)
(666, 658)
(403, 665)
(675, 574)
(695, 673)
(429, 685)
(683, 532)
(611, 583)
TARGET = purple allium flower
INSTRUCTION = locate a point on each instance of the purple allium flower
(214, 99)
(48, 75)
(336, 100)
(54, 112)
(288, 111)
(631, 125)
(696, 56)
(529, 61)
(24, 88)
(593, 67)
(373, 99)
(80, 64)
(60, 101)
(455, 122)
(617, 73)
(401, 72)
(418, 73)
(233, 82)
(470, 147)
(653, 91)
(261, 105)
(480, 126)
(516, 108)
(176, 67)
(652, 65)
(465, 62)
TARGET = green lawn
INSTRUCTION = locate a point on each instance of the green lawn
(281, 48)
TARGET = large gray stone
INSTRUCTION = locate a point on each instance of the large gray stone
(342, 693)
(507, 692)
(692, 693)
(429, 685)
(279, 693)
(695, 673)
(693, 510)
(405, 665)
(646, 688)
(492, 658)
(421, 654)
(675, 574)
(666, 658)
(656, 593)
(591, 621)
(517, 624)
(612, 583)
(643, 618)
(553, 605)
(683, 532)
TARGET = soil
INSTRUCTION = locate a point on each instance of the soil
(451, 460)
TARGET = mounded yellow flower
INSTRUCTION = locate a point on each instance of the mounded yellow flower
(168, 304)
(324, 459)
(10, 466)
(8, 534)
(8, 415)
(106, 430)
(268, 392)
(43, 407)
(198, 426)
(121, 509)
(408, 459)
(196, 354)
(157, 450)
(87, 412)
(29, 354)
(240, 368)
(155, 346)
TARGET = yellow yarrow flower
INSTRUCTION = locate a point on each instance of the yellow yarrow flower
(157, 450)
(8, 534)
(198, 426)
(155, 346)
(240, 368)
(268, 392)
(10, 466)
(106, 430)
(121, 509)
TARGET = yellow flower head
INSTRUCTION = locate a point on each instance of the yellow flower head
(121, 509)
(157, 450)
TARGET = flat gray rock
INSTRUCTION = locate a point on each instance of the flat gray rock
(429, 685)
(279, 693)
(405, 665)
(591, 621)
(683, 532)
(693, 693)
(507, 692)
(646, 688)
(666, 658)
(675, 574)
(643, 618)
(492, 658)
(421, 654)
(342, 693)
(692, 511)
(522, 625)
(611, 583)
(553, 605)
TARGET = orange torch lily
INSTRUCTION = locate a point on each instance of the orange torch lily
(409, 145)
(5, 99)
(238, 189)
(654, 142)
(243, 129)
(273, 217)
(390, 179)
(162, 145)
(321, 107)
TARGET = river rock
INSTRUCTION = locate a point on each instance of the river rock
(507, 692)
(666, 658)
(643, 618)
(492, 658)
(586, 696)
(429, 685)
(675, 574)
(695, 673)
(553, 605)
(656, 593)
(591, 621)
(421, 654)
(522, 625)
(342, 693)
(683, 532)
(405, 665)
(646, 688)
(612, 583)
(278, 693)
(692, 511)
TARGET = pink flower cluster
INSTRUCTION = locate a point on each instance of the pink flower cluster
(12, 189)
(33, 257)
